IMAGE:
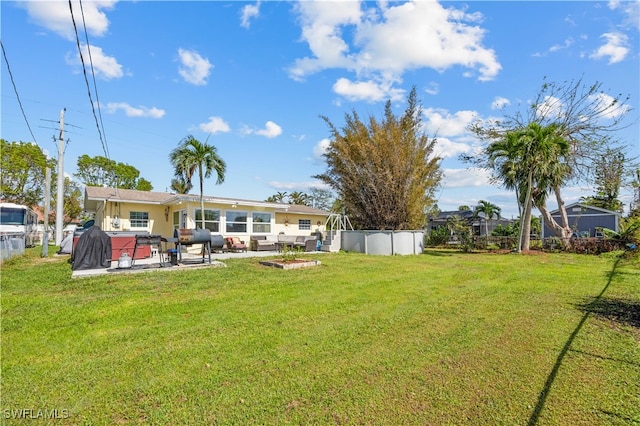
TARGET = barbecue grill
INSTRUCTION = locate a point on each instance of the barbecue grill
(188, 237)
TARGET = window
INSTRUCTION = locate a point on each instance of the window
(211, 220)
(236, 221)
(139, 219)
(304, 224)
(261, 223)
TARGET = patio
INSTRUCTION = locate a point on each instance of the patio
(189, 260)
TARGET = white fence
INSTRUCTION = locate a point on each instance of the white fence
(11, 245)
(383, 242)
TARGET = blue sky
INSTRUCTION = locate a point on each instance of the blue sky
(253, 78)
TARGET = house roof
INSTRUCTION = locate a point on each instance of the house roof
(585, 206)
(302, 209)
(96, 194)
(465, 214)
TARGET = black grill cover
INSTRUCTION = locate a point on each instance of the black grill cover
(93, 250)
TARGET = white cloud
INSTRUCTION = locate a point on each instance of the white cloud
(608, 106)
(320, 149)
(366, 91)
(215, 125)
(130, 111)
(440, 122)
(550, 108)
(195, 69)
(446, 148)
(632, 11)
(106, 67)
(567, 43)
(499, 102)
(616, 48)
(270, 131)
(248, 12)
(471, 177)
(56, 16)
(389, 40)
(432, 88)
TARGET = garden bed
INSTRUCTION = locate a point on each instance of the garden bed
(290, 264)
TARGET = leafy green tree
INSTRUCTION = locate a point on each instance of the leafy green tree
(193, 156)
(72, 204)
(23, 167)
(488, 210)
(585, 116)
(322, 199)
(608, 175)
(102, 171)
(464, 208)
(384, 171)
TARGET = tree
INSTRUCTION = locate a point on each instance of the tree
(23, 167)
(299, 198)
(72, 204)
(608, 173)
(180, 185)
(385, 172)
(102, 171)
(190, 156)
(584, 116)
(280, 197)
(321, 199)
(532, 162)
(464, 208)
(489, 210)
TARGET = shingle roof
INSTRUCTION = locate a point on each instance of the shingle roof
(301, 209)
(101, 193)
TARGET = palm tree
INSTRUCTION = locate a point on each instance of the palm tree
(530, 160)
(180, 185)
(192, 155)
(488, 210)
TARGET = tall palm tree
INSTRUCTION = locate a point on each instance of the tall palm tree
(190, 156)
(531, 160)
(488, 210)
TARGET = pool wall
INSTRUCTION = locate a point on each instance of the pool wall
(383, 242)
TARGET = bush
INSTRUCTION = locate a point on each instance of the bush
(438, 237)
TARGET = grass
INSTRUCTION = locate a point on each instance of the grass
(440, 338)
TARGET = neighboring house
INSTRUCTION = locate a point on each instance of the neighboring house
(161, 212)
(584, 220)
(475, 222)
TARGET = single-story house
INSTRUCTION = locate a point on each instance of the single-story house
(477, 223)
(585, 220)
(160, 213)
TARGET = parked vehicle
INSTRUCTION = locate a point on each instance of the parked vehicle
(19, 221)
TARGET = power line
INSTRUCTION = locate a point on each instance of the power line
(93, 74)
(15, 89)
(84, 70)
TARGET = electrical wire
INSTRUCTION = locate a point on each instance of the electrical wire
(93, 74)
(15, 89)
(84, 70)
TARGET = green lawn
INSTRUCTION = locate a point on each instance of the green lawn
(439, 338)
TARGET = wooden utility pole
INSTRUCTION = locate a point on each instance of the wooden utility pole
(60, 190)
(47, 206)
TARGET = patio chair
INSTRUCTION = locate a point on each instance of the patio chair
(235, 244)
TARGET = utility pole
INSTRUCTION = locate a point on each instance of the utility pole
(47, 205)
(60, 190)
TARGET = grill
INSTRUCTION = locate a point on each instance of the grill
(148, 240)
(188, 237)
